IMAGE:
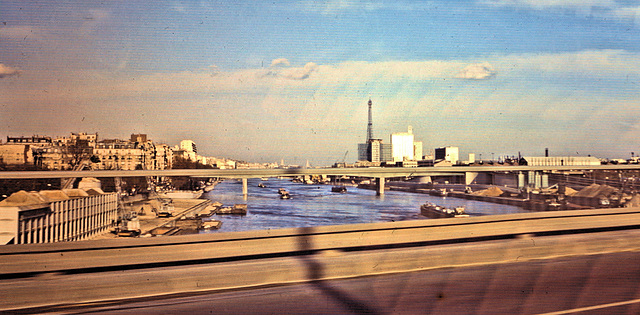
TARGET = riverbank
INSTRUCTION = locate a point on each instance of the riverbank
(152, 225)
(499, 195)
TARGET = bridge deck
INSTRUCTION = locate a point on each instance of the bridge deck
(364, 172)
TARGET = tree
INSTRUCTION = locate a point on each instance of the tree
(79, 151)
(184, 182)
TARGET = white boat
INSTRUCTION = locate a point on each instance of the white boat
(434, 211)
(181, 194)
(210, 186)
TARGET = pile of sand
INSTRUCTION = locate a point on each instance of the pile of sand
(596, 191)
(75, 193)
(492, 191)
(568, 191)
(633, 202)
(23, 198)
(54, 195)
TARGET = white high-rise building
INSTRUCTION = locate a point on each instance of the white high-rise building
(417, 150)
(404, 148)
(448, 154)
(188, 146)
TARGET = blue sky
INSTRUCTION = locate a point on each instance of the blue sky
(264, 81)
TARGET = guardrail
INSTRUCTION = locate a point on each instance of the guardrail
(64, 276)
(116, 254)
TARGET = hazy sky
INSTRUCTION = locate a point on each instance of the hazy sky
(269, 80)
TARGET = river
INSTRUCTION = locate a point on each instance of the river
(316, 205)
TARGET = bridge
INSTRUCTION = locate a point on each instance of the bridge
(559, 262)
(379, 173)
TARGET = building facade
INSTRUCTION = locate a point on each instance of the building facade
(562, 160)
(450, 154)
(404, 146)
(375, 151)
(16, 154)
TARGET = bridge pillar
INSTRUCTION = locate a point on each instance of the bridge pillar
(245, 189)
(469, 177)
(521, 180)
(380, 186)
(538, 180)
(531, 178)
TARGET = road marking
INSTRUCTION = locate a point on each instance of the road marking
(595, 307)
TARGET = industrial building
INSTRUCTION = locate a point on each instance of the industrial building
(404, 146)
(562, 160)
(450, 154)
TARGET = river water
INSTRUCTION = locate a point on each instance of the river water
(316, 205)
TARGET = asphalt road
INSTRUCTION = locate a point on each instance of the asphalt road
(593, 284)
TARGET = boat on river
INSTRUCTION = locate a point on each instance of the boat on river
(339, 189)
(435, 211)
(210, 185)
(240, 208)
(442, 192)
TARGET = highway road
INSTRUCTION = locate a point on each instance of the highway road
(560, 274)
(593, 284)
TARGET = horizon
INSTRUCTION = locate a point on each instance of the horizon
(265, 81)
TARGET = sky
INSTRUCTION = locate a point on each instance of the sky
(265, 81)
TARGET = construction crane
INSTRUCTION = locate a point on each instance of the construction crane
(345, 156)
(341, 163)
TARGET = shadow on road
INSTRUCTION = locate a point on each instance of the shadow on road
(315, 274)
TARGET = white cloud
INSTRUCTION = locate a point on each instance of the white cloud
(628, 13)
(7, 71)
(589, 63)
(280, 62)
(300, 73)
(279, 69)
(339, 6)
(477, 71)
(598, 8)
(543, 4)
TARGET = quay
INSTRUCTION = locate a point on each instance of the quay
(589, 197)
(152, 225)
(51, 216)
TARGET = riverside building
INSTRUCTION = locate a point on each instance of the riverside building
(56, 215)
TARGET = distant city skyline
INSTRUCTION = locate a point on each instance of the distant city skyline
(290, 80)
